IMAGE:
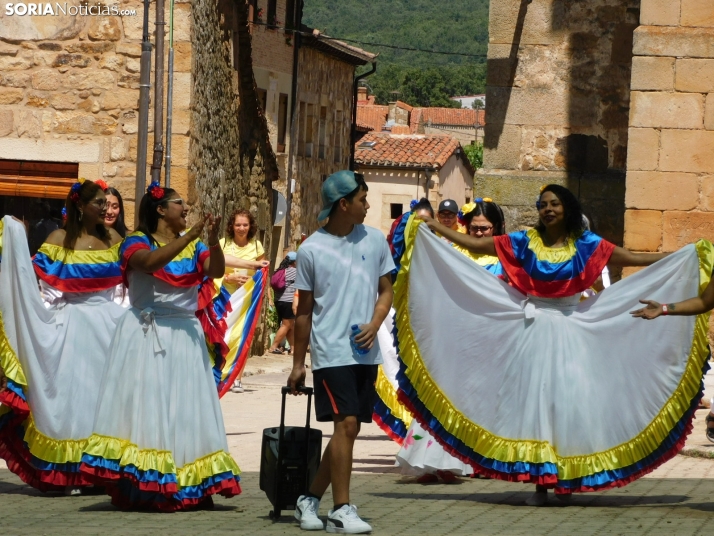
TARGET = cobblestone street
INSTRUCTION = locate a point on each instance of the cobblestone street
(677, 499)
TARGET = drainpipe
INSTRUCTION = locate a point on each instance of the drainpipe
(169, 99)
(143, 134)
(297, 40)
(353, 130)
(158, 94)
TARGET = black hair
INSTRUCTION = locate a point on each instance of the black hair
(119, 225)
(424, 204)
(361, 185)
(73, 225)
(285, 263)
(573, 211)
(492, 212)
(149, 216)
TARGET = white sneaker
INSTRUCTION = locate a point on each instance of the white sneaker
(346, 521)
(306, 513)
(237, 387)
(539, 498)
(69, 491)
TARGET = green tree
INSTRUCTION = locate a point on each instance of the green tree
(474, 152)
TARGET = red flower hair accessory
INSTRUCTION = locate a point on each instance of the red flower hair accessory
(155, 190)
(103, 185)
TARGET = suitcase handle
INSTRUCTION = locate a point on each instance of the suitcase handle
(301, 389)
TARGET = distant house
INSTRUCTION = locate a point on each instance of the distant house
(467, 101)
(402, 167)
(464, 124)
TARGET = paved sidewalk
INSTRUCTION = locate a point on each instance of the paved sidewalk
(677, 499)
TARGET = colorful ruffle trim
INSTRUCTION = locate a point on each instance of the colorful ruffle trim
(78, 271)
(390, 414)
(142, 478)
(536, 461)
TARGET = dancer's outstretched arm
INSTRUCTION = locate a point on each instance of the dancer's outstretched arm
(482, 246)
(692, 306)
(625, 257)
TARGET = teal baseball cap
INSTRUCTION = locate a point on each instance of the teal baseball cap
(335, 187)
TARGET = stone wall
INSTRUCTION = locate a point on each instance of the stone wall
(69, 89)
(322, 81)
(670, 164)
(558, 100)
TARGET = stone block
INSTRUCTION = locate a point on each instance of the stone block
(8, 50)
(182, 57)
(7, 121)
(180, 150)
(182, 90)
(29, 125)
(71, 60)
(15, 79)
(90, 171)
(113, 62)
(74, 122)
(709, 112)
(89, 47)
(46, 80)
(133, 65)
(682, 228)
(129, 81)
(9, 63)
(90, 80)
(130, 123)
(132, 50)
(180, 121)
(659, 12)
(652, 73)
(643, 230)
(182, 22)
(642, 149)
(687, 150)
(666, 110)
(180, 181)
(63, 101)
(37, 100)
(118, 149)
(506, 151)
(706, 201)
(11, 95)
(105, 28)
(656, 190)
(540, 25)
(697, 13)
(695, 75)
(105, 126)
(677, 42)
(125, 99)
(59, 27)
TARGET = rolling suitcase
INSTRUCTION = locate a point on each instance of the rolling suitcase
(290, 456)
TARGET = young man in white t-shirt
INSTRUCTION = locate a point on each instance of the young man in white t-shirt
(343, 279)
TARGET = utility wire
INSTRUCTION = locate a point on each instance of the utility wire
(366, 43)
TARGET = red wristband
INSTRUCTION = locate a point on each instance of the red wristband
(665, 310)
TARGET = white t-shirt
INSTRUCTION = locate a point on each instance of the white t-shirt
(343, 275)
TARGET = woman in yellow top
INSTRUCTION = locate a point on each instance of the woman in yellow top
(244, 255)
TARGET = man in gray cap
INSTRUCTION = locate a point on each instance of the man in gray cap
(343, 276)
(448, 209)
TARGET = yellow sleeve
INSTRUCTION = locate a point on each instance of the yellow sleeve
(259, 249)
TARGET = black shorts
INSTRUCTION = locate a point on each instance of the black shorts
(346, 390)
(284, 310)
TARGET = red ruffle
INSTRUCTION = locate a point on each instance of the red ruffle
(387, 430)
(16, 404)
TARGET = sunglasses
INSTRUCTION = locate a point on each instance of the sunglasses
(480, 228)
(177, 201)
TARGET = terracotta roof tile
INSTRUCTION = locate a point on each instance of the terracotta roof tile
(452, 116)
(372, 116)
(411, 150)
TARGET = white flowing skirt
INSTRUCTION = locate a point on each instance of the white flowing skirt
(579, 397)
(54, 359)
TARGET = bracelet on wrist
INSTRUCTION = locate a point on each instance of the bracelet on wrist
(214, 246)
(665, 309)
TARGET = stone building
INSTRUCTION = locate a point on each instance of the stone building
(402, 167)
(615, 101)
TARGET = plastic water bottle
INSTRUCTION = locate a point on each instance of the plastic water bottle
(356, 347)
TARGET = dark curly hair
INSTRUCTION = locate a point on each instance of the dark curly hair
(73, 225)
(253, 226)
(492, 212)
(573, 211)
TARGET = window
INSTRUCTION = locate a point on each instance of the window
(301, 129)
(395, 210)
(262, 98)
(282, 121)
(322, 134)
(272, 14)
(253, 11)
(468, 200)
(309, 130)
(290, 14)
(339, 117)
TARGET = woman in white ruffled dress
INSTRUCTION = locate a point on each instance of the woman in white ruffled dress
(54, 357)
(159, 440)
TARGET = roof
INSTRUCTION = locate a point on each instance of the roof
(452, 116)
(339, 49)
(373, 116)
(406, 151)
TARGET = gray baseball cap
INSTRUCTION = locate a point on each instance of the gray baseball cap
(335, 187)
(449, 205)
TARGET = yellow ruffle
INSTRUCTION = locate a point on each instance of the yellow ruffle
(9, 363)
(551, 255)
(481, 260)
(73, 256)
(52, 450)
(388, 394)
(192, 474)
(502, 449)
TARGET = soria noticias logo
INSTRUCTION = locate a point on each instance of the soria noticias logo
(57, 9)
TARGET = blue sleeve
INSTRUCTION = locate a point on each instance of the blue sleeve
(305, 271)
(386, 262)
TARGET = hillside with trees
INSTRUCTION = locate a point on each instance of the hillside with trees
(417, 78)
